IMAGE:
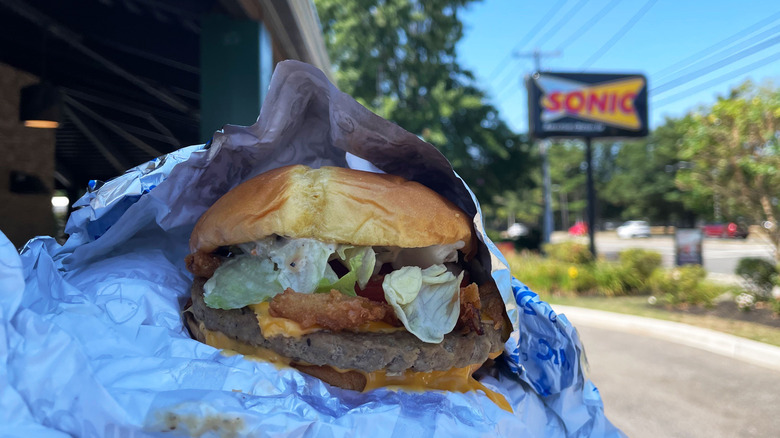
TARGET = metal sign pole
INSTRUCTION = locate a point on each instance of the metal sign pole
(592, 105)
(547, 223)
(591, 197)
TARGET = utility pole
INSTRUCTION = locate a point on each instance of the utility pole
(547, 222)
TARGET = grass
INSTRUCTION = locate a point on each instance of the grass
(637, 305)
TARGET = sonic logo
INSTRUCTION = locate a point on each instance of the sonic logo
(611, 103)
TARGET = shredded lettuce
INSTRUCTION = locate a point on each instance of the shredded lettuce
(427, 301)
(301, 263)
(271, 265)
(360, 261)
(242, 281)
(423, 257)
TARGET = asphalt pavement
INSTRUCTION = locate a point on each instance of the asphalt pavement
(652, 387)
(720, 256)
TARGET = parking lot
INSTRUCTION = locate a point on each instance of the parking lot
(720, 255)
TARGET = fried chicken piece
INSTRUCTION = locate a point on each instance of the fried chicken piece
(333, 311)
(492, 304)
(469, 319)
(202, 265)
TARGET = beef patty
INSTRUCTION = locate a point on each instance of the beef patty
(394, 352)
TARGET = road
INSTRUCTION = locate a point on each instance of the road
(720, 255)
(654, 388)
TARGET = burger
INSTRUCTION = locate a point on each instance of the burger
(359, 279)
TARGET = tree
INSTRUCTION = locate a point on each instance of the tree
(642, 182)
(734, 152)
(397, 57)
(568, 179)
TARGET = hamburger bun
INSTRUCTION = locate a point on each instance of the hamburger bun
(336, 205)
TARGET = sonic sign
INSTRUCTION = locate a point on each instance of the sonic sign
(587, 105)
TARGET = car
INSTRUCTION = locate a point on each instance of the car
(579, 228)
(730, 230)
(632, 229)
(514, 231)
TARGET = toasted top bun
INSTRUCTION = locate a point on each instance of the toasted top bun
(332, 204)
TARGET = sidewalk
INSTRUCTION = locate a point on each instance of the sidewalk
(727, 279)
(742, 349)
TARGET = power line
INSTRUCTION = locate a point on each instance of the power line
(508, 79)
(696, 56)
(537, 56)
(527, 37)
(674, 83)
(588, 25)
(560, 23)
(508, 93)
(731, 50)
(716, 81)
(619, 34)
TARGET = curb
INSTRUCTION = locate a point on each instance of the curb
(746, 350)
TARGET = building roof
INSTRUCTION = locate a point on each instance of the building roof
(130, 70)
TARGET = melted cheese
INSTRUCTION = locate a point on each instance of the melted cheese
(271, 326)
(455, 380)
(231, 346)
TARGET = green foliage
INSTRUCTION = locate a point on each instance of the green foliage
(643, 180)
(566, 272)
(684, 285)
(568, 252)
(612, 279)
(639, 265)
(398, 58)
(734, 155)
(776, 306)
(759, 275)
(494, 236)
(540, 274)
(568, 180)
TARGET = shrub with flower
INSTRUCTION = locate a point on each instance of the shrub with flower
(745, 301)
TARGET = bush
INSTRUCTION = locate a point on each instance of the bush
(494, 236)
(640, 262)
(776, 306)
(544, 275)
(745, 301)
(612, 279)
(539, 274)
(684, 285)
(568, 252)
(759, 276)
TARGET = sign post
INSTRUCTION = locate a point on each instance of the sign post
(587, 106)
(687, 246)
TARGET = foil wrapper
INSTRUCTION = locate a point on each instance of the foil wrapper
(92, 342)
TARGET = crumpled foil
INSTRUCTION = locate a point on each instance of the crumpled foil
(92, 342)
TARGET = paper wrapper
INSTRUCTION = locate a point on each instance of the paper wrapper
(92, 342)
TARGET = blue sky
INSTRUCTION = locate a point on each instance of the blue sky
(664, 34)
